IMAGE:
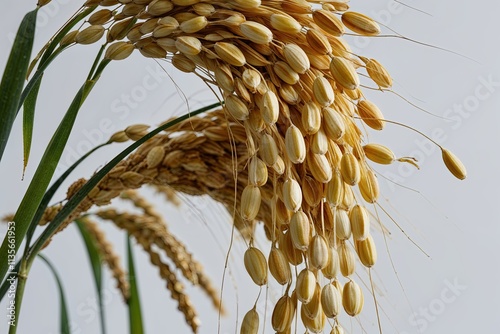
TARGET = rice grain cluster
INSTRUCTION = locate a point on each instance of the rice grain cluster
(291, 130)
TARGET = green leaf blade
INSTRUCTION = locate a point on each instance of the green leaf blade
(28, 121)
(63, 314)
(96, 264)
(14, 76)
(134, 303)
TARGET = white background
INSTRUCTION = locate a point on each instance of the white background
(456, 222)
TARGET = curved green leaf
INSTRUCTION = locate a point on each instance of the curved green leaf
(28, 122)
(96, 264)
(47, 197)
(14, 76)
(64, 316)
(134, 302)
(45, 170)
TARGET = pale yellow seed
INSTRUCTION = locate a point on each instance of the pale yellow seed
(319, 142)
(344, 73)
(204, 9)
(268, 150)
(148, 26)
(283, 314)
(292, 195)
(256, 265)
(279, 166)
(194, 25)
(300, 231)
(251, 78)
(257, 172)
(347, 259)
(155, 156)
(333, 124)
(279, 266)
(250, 323)
(285, 23)
(323, 91)
(296, 58)
(118, 137)
(320, 167)
(289, 94)
(368, 186)
(188, 45)
(295, 145)
(315, 325)
(318, 252)
(367, 251)
(236, 107)
(379, 153)
(90, 35)
(305, 286)
(224, 77)
(153, 50)
(312, 309)
(319, 42)
(119, 51)
(360, 222)
(342, 224)
(311, 118)
(293, 255)
(286, 73)
(352, 298)
(250, 202)
(183, 63)
(312, 191)
(159, 7)
(331, 300)
(230, 53)
(137, 131)
(349, 168)
(270, 107)
(454, 165)
(329, 22)
(132, 9)
(378, 73)
(371, 114)
(333, 266)
(360, 23)
(168, 44)
(69, 38)
(256, 32)
(335, 190)
(100, 17)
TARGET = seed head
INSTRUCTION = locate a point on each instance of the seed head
(256, 265)
(454, 165)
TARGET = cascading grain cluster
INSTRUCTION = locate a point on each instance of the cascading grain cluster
(291, 92)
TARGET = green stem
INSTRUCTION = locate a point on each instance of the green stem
(22, 277)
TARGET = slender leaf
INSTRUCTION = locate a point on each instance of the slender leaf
(28, 121)
(134, 302)
(96, 264)
(94, 180)
(64, 316)
(45, 171)
(48, 54)
(14, 75)
(50, 193)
